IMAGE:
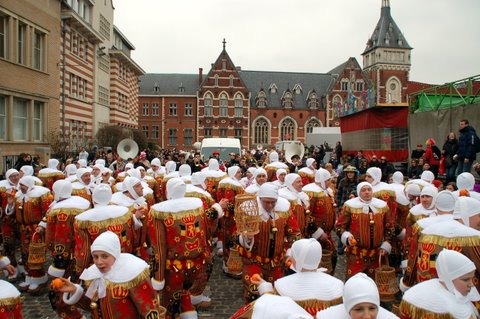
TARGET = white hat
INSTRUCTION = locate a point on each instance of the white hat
(321, 176)
(413, 189)
(108, 242)
(289, 179)
(184, 170)
(232, 171)
(309, 162)
(156, 162)
(62, 189)
(102, 194)
(82, 171)
(465, 181)
(134, 173)
(427, 176)
(128, 185)
(466, 207)
(397, 177)
(53, 163)
(27, 170)
(361, 185)
(100, 162)
(106, 170)
(10, 172)
(279, 307)
(376, 174)
(358, 289)
(170, 166)
(129, 166)
(82, 162)
(307, 254)
(252, 170)
(71, 169)
(28, 181)
(445, 201)
(176, 188)
(280, 171)
(431, 191)
(268, 190)
(259, 171)
(213, 164)
(451, 265)
(273, 157)
(198, 178)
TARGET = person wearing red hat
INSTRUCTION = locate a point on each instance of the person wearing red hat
(432, 156)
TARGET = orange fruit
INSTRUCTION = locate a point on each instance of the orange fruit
(256, 277)
(57, 283)
(352, 241)
(464, 192)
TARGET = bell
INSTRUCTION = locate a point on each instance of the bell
(20, 207)
(93, 305)
(372, 221)
(308, 212)
(274, 229)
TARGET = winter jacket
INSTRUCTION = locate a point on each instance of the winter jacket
(466, 144)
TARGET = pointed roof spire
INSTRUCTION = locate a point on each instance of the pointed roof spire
(224, 43)
(385, 3)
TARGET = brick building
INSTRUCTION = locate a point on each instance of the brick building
(29, 77)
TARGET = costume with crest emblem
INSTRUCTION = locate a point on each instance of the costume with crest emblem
(213, 176)
(273, 166)
(10, 301)
(50, 174)
(9, 225)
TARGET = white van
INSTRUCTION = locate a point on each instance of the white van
(224, 146)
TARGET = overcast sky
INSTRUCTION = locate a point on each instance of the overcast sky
(179, 36)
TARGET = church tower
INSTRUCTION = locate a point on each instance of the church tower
(387, 60)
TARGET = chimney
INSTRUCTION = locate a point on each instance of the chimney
(200, 76)
(239, 68)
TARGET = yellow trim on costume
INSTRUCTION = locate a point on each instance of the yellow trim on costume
(229, 186)
(68, 211)
(318, 304)
(53, 174)
(412, 311)
(85, 224)
(176, 215)
(144, 275)
(13, 301)
(470, 241)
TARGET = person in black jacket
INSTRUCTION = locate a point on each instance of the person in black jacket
(450, 148)
(466, 147)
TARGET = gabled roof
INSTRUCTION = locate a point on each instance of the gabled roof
(257, 80)
(168, 84)
(386, 34)
(339, 70)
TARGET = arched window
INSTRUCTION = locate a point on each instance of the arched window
(287, 130)
(238, 105)
(223, 105)
(260, 131)
(208, 103)
(261, 99)
(311, 124)
(288, 100)
(313, 101)
(216, 79)
(394, 90)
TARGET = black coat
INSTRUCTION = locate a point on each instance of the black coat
(466, 145)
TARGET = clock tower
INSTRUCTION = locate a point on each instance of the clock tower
(387, 60)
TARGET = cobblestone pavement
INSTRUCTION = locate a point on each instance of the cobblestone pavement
(226, 294)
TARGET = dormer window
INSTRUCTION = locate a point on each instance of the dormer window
(297, 89)
(287, 100)
(156, 88)
(261, 99)
(313, 101)
(181, 88)
(273, 88)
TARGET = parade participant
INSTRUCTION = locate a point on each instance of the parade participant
(107, 177)
(121, 175)
(402, 202)
(308, 173)
(71, 173)
(309, 287)
(50, 174)
(157, 171)
(81, 163)
(321, 221)
(185, 173)
(248, 179)
(177, 230)
(97, 174)
(381, 190)
(449, 296)
(102, 217)
(466, 181)
(170, 172)
(365, 228)
(27, 170)
(59, 237)
(10, 301)
(299, 201)
(151, 183)
(280, 181)
(228, 188)
(426, 179)
(118, 284)
(360, 300)
(83, 187)
(148, 193)
(273, 165)
(260, 177)
(263, 253)
(213, 176)
(31, 205)
(444, 207)
(8, 189)
(272, 306)
(461, 234)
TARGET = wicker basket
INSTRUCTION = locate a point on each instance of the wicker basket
(234, 262)
(386, 280)
(247, 218)
(36, 253)
(327, 258)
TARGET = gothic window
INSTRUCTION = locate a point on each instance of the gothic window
(297, 89)
(208, 103)
(223, 105)
(394, 90)
(311, 124)
(287, 130)
(260, 131)
(261, 99)
(287, 100)
(313, 101)
(238, 105)
(231, 81)
(216, 79)
(273, 88)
